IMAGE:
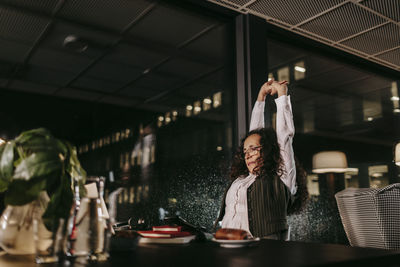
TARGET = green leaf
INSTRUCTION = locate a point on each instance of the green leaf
(21, 192)
(6, 165)
(60, 204)
(38, 165)
(28, 135)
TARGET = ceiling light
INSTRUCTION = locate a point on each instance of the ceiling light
(161, 118)
(197, 109)
(370, 119)
(395, 98)
(174, 113)
(75, 43)
(219, 148)
(300, 69)
(396, 110)
(189, 107)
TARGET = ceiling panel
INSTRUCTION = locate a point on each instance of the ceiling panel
(293, 11)
(48, 76)
(139, 93)
(135, 56)
(389, 8)
(184, 68)
(392, 56)
(96, 84)
(114, 15)
(78, 94)
(32, 87)
(61, 60)
(349, 25)
(118, 73)
(376, 40)
(21, 27)
(97, 41)
(46, 6)
(6, 69)
(119, 101)
(334, 24)
(12, 51)
(168, 26)
(157, 81)
(213, 44)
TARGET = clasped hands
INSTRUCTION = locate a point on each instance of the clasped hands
(272, 87)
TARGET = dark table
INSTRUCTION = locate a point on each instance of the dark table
(266, 253)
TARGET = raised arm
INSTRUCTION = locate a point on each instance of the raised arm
(257, 115)
(284, 127)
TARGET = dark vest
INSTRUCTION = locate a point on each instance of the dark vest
(267, 203)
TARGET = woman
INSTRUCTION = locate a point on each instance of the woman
(264, 172)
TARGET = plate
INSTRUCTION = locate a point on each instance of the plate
(173, 240)
(235, 243)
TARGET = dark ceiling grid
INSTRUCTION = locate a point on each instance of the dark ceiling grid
(334, 23)
(79, 93)
(392, 56)
(175, 29)
(37, 38)
(116, 42)
(182, 85)
(389, 8)
(43, 6)
(168, 59)
(377, 40)
(112, 15)
(293, 11)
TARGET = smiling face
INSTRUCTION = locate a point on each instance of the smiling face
(251, 151)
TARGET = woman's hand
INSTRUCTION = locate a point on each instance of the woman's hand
(272, 87)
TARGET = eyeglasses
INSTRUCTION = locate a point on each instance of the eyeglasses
(252, 150)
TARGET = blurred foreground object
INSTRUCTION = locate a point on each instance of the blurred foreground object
(371, 217)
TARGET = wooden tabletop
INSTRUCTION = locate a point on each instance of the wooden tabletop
(265, 253)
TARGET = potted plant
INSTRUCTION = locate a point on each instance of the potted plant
(36, 167)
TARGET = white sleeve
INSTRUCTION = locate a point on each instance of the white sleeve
(285, 133)
(257, 116)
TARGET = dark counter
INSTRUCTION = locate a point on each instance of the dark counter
(266, 253)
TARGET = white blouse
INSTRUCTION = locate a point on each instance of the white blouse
(236, 198)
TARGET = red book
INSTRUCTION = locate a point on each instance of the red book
(163, 234)
(167, 228)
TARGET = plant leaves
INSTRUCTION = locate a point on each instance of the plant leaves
(6, 165)
(21, 192)
(37, 165)
(28, 135)
(60, 204)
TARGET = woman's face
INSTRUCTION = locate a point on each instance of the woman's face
(251, 151)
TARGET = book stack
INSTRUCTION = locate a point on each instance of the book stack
(166, 234)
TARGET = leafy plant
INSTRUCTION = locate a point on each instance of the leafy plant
(36, 161)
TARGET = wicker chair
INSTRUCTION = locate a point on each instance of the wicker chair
(371, 217)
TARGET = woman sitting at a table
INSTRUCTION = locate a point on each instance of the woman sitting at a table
(263, 172)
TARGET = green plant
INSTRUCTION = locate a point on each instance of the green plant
(35, 161)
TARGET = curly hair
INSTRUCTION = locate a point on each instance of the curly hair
(270, 165)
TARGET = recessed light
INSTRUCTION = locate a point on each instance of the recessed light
(74, 43)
